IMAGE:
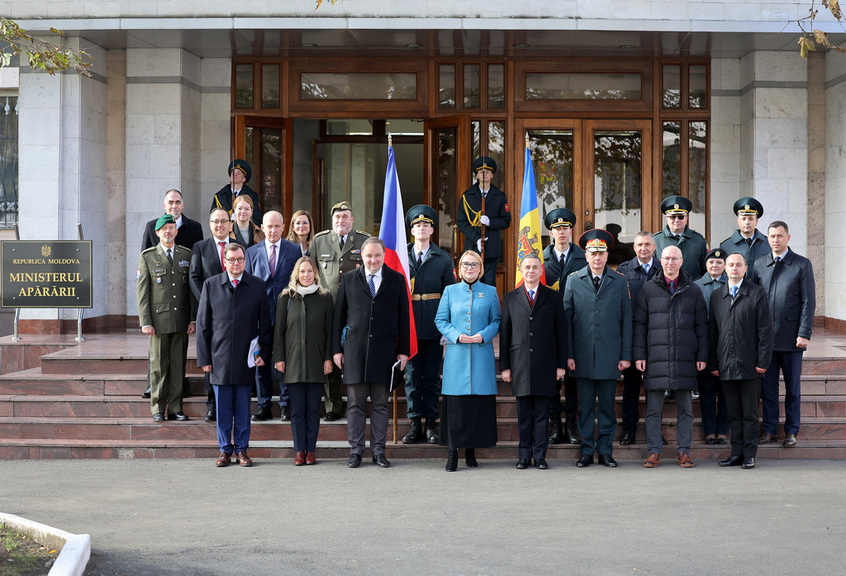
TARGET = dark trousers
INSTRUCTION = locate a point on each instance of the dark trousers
(532, 416)
(489, 277)
(632, 383)
(712, 404)
(422, 380)
(742, 398)
(790, 364)
(207, 385)
(357, 417)
(265, 377)
(571, 396)
(305, 414)
(684, 420)
(233, 406)
(591, 391)
(333, 392)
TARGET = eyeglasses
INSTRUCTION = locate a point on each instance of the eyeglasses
(236, 260)
(469, 264)
(218, 222)
(676, 216)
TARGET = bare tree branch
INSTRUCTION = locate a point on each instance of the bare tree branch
(41, 54)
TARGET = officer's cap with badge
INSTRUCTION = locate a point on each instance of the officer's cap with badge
(484, 162)
(596, 240)
(676, 205)
(164, 219)
(421, 213)
(716, 253)
(559, 217)
(241, 166)
(341, 207)
(748, 206)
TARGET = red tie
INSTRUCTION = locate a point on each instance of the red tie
(272, 260)
(235, 282)
(222, 246)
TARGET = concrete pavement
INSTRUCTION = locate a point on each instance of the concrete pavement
(186, 517)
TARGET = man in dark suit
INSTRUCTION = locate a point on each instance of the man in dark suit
(371, 333)
(533, 353)
(272, 261)
(207, 261)
(638, 271)
(747, 239)
(788, 279)
(432, 270)
(560, 259)
(599, 336)
(189, 232)
(233, 312)
(239, 175)
(484, 207)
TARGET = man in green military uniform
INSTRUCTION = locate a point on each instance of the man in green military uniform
(165, 311)
(692, 244)
(337, 251)
(747, 239)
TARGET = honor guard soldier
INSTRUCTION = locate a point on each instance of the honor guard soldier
(166, 314)
(482, 214)
(239, 175)
(747, 239)
(560, 259)
(693, 245)
(337, 251)
(431, 271)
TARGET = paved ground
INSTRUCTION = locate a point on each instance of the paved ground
(186, 517)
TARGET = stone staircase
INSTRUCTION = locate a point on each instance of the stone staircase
(63, 399)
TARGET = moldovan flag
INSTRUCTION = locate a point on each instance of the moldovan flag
(392, 233)
(529, 235)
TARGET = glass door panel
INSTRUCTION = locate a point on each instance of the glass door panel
(264, 144)
(552, 155)
(447, 176)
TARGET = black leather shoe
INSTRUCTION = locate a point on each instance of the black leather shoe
(211, 416)
(522, 464)
(452, 461)
(541, 464)
(146, 392)
(710, 440)
(432, 436)
(381, 461)
(415, 432)
(556, 434)
(748, 463)
(354, 461)
(181, 416)
(572, 430)
(731, 461)
(607, 460)
(331, 416)
(286, 414)
(470, 458)
(628, 438)
(261, 415)
(584, 461)
(158, 417)
(171, 416)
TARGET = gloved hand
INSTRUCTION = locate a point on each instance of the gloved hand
(479, 243)
(485, 220)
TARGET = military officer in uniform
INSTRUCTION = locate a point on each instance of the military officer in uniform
(431, 271)
(239, 175)
(165, 311)
(337, 251)
(694, 247)
(560, 259)
(747, 239)
(483, 205)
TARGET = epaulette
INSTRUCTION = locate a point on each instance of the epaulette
(322, 233)
(148, 249)
(184, 248)
(362, 232)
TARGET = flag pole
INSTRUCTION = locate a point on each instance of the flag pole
(394, 397)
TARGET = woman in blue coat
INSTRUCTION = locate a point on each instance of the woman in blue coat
(468, 317)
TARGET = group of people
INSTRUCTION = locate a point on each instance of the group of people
(322, 315)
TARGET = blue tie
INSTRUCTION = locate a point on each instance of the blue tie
(372, 285)
(733, 291)
(532, 296)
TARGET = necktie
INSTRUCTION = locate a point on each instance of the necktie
(169, 257)
(222, 246)
(645, 269)
(562, 260)
(677, 237)
(531, 296)
(733, 291)
(596, 282)
(372, 284)
(235, 282)
(419, 259)
(672, 286)
(749, 241)
(272, 260)
(341, 243)
(777, 259)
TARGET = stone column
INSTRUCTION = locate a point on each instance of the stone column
(724, 146)
(835, 191)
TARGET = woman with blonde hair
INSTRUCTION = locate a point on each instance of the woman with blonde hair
(244, 230)
(301, 230)
(302, 351)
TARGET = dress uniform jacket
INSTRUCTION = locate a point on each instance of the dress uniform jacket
(496, 208)
(693, 247)
(736, 243)
(223, 199)
(189, 234)
(552, 267)
(432, 277)
(258, 265)
(469, 309)
(740, 333)
(636, 277)
(165, 301)
(378, 326)
(228, 320)
(792, 296)
(533, 340)
(332, 262)
(599, 324)
(708, 286)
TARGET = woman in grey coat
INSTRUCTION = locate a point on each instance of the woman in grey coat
(302, 351)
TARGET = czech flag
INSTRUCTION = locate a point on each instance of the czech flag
(529, 235)
(392, 233)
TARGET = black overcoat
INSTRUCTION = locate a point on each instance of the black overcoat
(496, 208)
(533, 340)
(302, 335)
(189, 234)
(555, 274)
(741, 332)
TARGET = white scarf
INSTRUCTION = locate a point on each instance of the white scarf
(303, 290)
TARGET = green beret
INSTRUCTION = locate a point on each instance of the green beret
(164, 219)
